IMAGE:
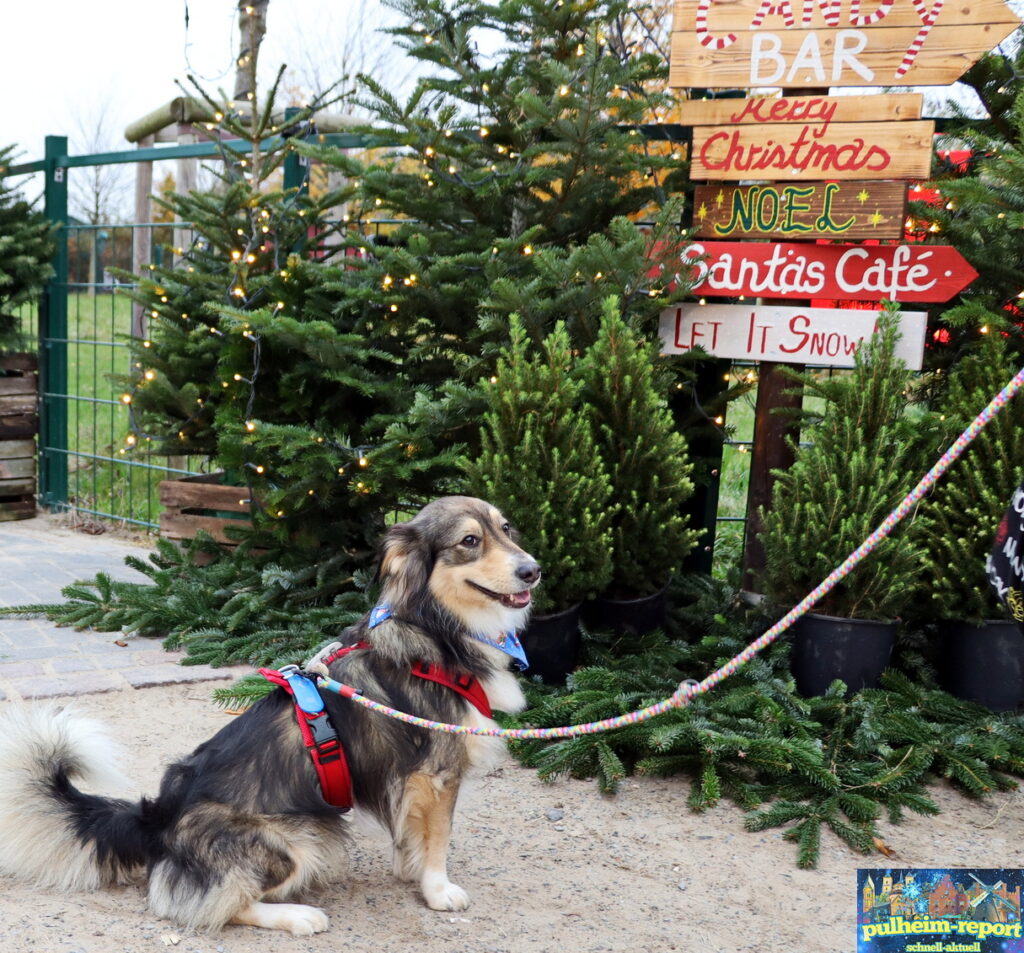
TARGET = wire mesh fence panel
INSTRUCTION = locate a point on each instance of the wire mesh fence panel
(109, 475)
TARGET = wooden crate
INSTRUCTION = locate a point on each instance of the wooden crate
(202, 502)
(19, 396)
(17, 479)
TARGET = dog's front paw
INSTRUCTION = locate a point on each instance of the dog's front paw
(302, 920)
(444, 895)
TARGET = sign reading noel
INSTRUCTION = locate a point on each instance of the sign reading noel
(812, 43)
(827, 336)
(808, 210)
(836, 272)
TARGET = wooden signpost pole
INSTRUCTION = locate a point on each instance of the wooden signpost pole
(773, 431)
(776, 431)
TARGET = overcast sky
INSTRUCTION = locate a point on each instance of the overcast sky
(62, 62)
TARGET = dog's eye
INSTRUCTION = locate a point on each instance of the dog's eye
(471, 541)
(506, 529)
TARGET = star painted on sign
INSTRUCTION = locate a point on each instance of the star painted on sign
(702, 212)
(863, 196)
(876, 218)
(720, 198)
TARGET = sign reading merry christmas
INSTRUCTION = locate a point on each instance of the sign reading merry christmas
(812, 43)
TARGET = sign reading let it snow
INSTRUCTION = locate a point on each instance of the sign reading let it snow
(825, 336)
(797, 44)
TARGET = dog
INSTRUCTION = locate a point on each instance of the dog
(240, 827)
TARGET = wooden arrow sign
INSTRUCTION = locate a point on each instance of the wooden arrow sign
(836, 272)
(821, 336)
(749, 43)
(805, 210)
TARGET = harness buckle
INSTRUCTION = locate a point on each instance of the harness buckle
(322, 730)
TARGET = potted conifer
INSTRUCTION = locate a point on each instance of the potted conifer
(981, 651)
(26, 247)
(647, 463)
(539, 465)
(860, 452)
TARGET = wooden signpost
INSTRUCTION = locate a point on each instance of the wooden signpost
(856, 146)
(827, 336)
(806, 210)
(837, 272)
(751, 43)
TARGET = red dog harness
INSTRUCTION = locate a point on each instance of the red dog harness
(319, 735)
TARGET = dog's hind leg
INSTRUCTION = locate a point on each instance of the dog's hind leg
(421, 839)
(221, 864)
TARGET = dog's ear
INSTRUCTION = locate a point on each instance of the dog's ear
(406, 563)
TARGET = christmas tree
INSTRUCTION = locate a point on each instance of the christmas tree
(982, 208)
(252, 361)
(508, 190)
(26, 247)
(861, 454)
(958, 524)
(644, 454)
(539, 465)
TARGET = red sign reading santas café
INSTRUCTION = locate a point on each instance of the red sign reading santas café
(839, 272)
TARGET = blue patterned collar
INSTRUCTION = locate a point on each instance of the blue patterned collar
(508, 642)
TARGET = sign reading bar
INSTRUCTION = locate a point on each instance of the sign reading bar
(806, 210)
(751, 43)
(813, 150)
(837, 272)
(822, 336)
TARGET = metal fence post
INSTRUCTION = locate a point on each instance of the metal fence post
(296, 167)
(53, 337)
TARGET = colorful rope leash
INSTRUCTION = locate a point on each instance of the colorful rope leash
(689, 689)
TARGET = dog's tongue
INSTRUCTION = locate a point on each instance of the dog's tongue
(517, 600)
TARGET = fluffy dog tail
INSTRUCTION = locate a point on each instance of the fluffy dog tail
(51, 833)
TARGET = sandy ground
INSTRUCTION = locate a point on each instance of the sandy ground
(550, 868)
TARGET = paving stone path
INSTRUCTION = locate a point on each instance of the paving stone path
(38, 659)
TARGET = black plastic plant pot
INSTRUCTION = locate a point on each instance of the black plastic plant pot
(983, 663)
(552, 645)
(826, 648)
(628, 616)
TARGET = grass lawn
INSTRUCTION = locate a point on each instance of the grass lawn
(105, 476)
(734, 479)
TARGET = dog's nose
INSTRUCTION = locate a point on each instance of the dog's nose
(528, 572)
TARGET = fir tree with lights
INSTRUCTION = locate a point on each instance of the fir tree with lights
(982, 207)
(252, 362)
(511, 187)
(26, 247)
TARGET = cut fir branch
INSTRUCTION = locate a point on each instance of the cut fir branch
(799, 764)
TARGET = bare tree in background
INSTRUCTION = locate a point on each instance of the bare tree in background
(100, 194)
(252, 27)
(345, 42)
